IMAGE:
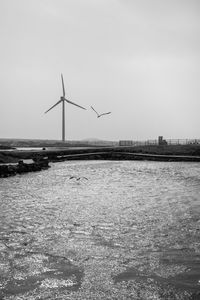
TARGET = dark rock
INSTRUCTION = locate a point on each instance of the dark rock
(21, 167)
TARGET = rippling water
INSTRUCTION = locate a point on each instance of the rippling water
(129, 230)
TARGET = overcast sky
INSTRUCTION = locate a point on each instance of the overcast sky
(139, 59)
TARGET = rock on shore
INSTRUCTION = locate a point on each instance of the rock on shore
(20, 168)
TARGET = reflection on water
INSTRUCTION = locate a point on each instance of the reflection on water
(131, 231)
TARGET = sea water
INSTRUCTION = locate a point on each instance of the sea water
(101, 230)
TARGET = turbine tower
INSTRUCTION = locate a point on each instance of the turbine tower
(62, 100)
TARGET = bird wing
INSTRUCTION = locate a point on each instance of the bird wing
(53, 106)
(94, 110)
(74, 103)
(105, 113)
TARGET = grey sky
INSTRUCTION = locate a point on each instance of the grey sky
(137, 58)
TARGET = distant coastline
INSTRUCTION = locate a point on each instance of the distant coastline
(2, 147)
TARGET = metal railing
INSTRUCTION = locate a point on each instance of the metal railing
(164, 142)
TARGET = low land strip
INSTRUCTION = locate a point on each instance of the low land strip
(151, 152)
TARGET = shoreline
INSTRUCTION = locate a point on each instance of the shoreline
(153, 153)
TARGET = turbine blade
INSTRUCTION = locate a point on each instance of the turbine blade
(53, 106)
(74, 104)
(63, 86)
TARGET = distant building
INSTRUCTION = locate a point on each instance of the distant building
(161, 141)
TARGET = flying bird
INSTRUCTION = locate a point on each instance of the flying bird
(100, 115)
(77, 178)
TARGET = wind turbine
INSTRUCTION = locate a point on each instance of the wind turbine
(63, 99)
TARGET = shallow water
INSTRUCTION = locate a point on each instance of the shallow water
(128, 230)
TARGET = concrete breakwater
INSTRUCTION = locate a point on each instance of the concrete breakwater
(123, 156)
(20, 168)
